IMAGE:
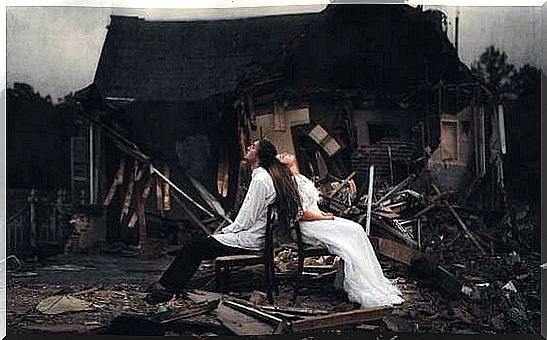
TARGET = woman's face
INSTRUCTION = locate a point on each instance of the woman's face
(286, 158)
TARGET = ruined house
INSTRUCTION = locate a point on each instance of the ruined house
(346, 88)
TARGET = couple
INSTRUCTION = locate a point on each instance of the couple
(276, 178)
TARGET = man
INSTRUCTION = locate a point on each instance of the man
(247, 232)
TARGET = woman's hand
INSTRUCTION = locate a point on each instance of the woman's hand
(317, 216)
(327, 215)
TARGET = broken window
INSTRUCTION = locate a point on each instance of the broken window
(449, 141)
(378, 132)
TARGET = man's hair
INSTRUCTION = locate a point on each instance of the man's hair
(287, 197)
(267, 153)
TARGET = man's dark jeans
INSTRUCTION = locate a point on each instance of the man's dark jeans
(188, 260)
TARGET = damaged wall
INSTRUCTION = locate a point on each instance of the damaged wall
(454, 162)
(277, 126)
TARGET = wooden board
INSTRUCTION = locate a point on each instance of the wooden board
(395, 251)
(239, 323)
(342, 319)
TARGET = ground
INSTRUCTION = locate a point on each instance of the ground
(114, 284)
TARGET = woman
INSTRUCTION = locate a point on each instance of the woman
(364, 281)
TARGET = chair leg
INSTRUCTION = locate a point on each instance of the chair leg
(298, 278)
(217, 275)
(269, 283)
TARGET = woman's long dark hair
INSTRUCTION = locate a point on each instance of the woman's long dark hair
(288, 199)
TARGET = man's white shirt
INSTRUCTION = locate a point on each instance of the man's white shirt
(248, 229)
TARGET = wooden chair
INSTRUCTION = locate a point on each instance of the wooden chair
(304, 251)
(223, 264)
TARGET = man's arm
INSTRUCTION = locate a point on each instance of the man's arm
(252, 205)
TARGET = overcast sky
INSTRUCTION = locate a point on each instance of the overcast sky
(56, 49)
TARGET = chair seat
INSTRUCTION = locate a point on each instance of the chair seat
(241, 259)
(311, 251)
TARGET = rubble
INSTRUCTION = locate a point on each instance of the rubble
(62, 304)
(448, 284)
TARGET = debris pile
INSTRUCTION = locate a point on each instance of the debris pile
(487, 264)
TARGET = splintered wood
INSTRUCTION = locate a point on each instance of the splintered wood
(342, 319)
(117, 182)
(144, 197)
(469, 233)
(129, 192)
(395, 251)
(159, 196)
(166, 188)
(245, 318)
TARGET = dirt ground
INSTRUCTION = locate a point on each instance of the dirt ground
(114, 284)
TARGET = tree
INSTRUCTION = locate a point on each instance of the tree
(526, 82)
(493, 68)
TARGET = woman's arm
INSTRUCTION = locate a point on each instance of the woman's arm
(310, 215)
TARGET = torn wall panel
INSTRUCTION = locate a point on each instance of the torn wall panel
(282, 138)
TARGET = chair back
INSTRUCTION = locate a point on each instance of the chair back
(269, 252)
(295, 228)
(269, 240)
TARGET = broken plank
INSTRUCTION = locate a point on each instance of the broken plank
(396, 233)
(143, 234)
(341, 319)
(237, 322)
(182, 193)
(128, 195)
(295, 311)
(159, 197)
(200, 308)
(396, 188)
(117, 182)
(369, 203)
(166, 194)
(343, 184)
(395, 251)
(255, 313)
(389, 216)
(460, 222)
(323, 275)
(419, 236)
(423, 211)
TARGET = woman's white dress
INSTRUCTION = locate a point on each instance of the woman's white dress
(363, 279)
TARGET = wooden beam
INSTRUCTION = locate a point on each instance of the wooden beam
(182, 193)
(159, 197)
(118, 181)
(424, 210)
(396, 233)
(251, 311)
(237, 322)
(343, 184)
(198, 309)
(460, 222)
(341, 319)
(369, 203)
(395, 251)
(295, 311)
(191, 215)
(396, 188)
(166, 193)
(128, 194)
